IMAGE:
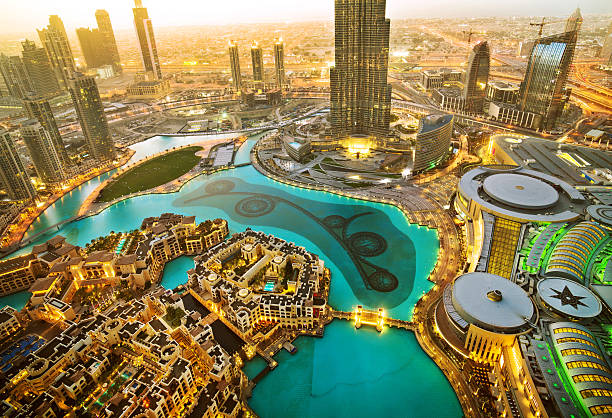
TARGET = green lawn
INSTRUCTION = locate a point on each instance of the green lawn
(153, 173)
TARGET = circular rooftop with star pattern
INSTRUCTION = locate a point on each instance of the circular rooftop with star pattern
(568, 298)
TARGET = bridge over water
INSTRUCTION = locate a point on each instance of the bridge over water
(374, 318)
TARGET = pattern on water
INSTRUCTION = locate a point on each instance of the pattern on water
(346, 231)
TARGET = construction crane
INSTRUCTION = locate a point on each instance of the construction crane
(469, 35)
(542, 24)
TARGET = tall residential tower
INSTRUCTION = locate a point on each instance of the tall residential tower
(15, 76)
(477, 78)
(38, 108)
(235, 66)
(13, 175)
(39, 68)
(90, 111)
(279, 63)
(146, 39)
(257, 61)
(55, 42)
(360, 95)
(43, 152)
(109, 44)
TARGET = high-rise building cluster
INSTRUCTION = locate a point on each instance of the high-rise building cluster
(257, 63)
(98, 45)
(36, 78)
(536, 103)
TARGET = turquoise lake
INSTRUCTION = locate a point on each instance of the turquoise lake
(376, 258)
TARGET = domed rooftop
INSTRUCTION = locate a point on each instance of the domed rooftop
(492, 303)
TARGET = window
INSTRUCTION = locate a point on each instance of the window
(591, 378)
(586, 364)
(580, 352)
(575, 340)
(573, 331)
(592, 393)
(600, 409)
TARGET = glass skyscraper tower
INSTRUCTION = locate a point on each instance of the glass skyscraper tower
(235, 66)
(279, 63)
(146, 39)
(477, 78)
(13, 175)
(55, 42)
(360, 95)
(257, 61)
(90, 111)
(543, 89)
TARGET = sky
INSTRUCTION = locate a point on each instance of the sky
(25, 15)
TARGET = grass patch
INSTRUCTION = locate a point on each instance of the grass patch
(153, 173)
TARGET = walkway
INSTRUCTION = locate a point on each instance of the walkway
(374, 318)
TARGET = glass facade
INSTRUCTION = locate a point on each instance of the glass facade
(279, 63)
(477, 78)
(235, 66)
(360, 95)
(146, 39)
(257, 61)
(15, 179)
(542, 90)
(55, 42)
(90, 112)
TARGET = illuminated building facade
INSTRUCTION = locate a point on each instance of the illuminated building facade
(44, 154)
(477, 78)
(38, 108)
(15, 75)
(279, 63)
(235, 66)
(90, 112)
(360, 95)
(39, 69)
(13, 174)
(257, 62)
(146, 39)
(543, 89)
(55, 42)
(109, 44)
(433, 141)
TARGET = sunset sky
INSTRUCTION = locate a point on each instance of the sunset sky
(26, 15)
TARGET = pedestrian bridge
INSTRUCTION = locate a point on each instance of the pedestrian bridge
(375, 318)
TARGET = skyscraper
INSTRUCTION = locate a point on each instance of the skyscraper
(89, 109)
(39, 68)
(477, 78)
(146, 39)
(235, 66)
(43, 152)
(15, 76)
(92, 46)
(38, 108)
(360, 95)
(543, 89)
(109, 44)
(257, 61)
(279, 63)
(13, 175)
(574, 22)
(55, 42)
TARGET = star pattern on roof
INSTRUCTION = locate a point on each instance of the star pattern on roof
(567, 298)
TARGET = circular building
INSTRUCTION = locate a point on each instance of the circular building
(480, 313)
(568, 299)
(601, 214)
(498, 202)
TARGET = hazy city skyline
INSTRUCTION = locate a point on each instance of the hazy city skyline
(18, 16)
